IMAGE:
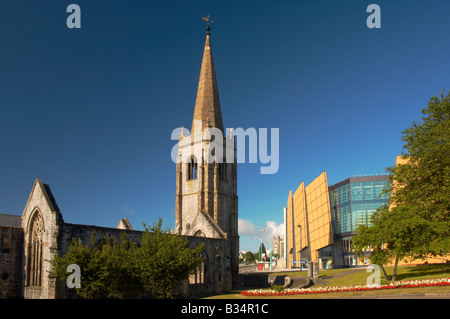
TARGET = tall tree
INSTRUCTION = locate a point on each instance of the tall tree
(416, 223)
(261, 252)
(421, 184)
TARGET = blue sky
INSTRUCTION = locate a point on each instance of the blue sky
(90, 111)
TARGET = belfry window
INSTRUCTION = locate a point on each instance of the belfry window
(34, 260)
(192, 169)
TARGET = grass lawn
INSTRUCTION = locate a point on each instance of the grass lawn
(350, 277)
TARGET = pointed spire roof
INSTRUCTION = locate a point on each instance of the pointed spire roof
(207, 105)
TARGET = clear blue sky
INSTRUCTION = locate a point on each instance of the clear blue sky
(90, 111)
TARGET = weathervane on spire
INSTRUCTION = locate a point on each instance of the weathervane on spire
(208, 20)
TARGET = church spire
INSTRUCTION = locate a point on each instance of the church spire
(207, 105)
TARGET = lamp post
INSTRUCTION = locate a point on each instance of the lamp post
(301, 264)
(271, 248)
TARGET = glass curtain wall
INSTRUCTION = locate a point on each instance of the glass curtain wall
(365, 199)
(353, 203)
(341, 208)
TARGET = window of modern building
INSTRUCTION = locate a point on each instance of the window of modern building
(341, 208)
(353, 202)
(366, 199)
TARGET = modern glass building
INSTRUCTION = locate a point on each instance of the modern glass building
(353, 201)
(321, 220)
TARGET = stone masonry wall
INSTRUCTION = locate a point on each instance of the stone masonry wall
(11, 253)
(217, 270)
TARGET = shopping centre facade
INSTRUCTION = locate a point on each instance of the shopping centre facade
(320, 220)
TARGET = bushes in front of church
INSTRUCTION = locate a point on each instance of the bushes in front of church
(125, 269)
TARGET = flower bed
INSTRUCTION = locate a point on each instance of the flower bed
(324, 290)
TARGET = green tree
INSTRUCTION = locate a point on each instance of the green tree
(94, 274)
(391, 237)
(124, 269)
(118, 259)
(416, 223)
(421, 185)
(164, 260)
(249, 258)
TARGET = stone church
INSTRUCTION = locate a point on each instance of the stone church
(206, 211)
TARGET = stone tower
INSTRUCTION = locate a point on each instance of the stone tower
(206, 202)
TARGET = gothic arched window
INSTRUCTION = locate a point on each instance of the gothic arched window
(199, 233)
(34, 262)
(192, 169)
(198, 276)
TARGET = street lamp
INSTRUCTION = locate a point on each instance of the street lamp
(271, 248)
(301, 264)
